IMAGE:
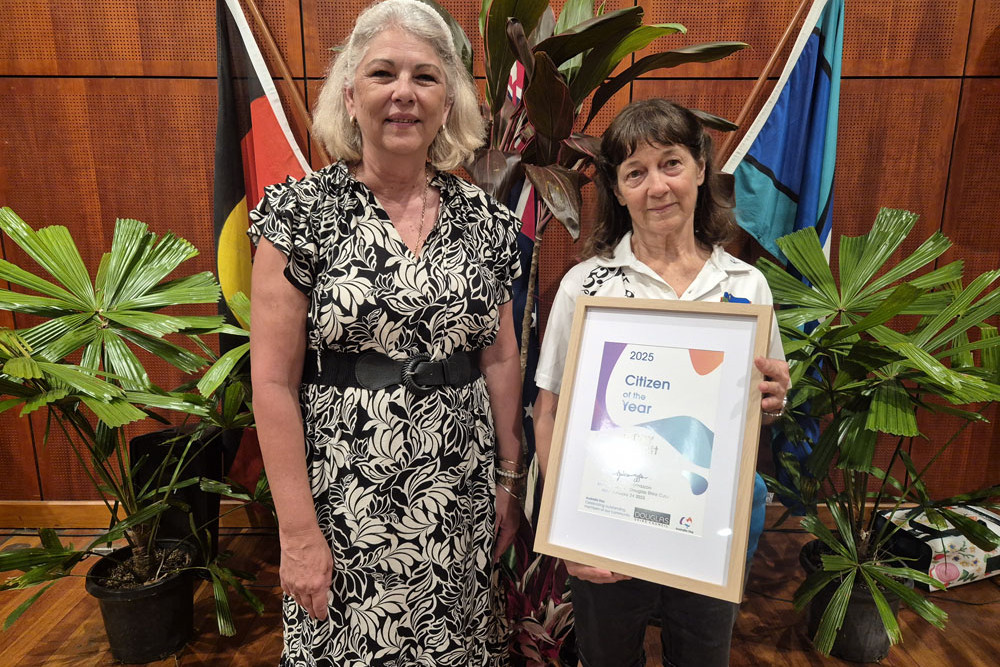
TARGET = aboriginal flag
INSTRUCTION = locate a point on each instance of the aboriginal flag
(254, 146)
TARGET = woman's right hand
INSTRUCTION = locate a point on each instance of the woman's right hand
(593, 574)
(306, 570)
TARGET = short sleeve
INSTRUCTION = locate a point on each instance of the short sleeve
(283, 217)
(507, 261)
(555, 340)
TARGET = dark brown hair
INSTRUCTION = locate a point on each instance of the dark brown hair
(656, 121)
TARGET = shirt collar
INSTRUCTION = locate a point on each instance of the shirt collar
(717, 267)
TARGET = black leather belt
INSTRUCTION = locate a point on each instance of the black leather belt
(373, 370)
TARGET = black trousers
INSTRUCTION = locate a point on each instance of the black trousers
(611, 620)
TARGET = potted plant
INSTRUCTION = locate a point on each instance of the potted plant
(864, 372)
(561, 63)
(80, 364)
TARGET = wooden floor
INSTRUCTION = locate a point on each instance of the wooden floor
(65, 628)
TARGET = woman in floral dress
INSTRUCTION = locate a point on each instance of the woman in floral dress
(385, 366)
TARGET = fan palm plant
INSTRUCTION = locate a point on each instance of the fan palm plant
(864, 375)
(79, 362)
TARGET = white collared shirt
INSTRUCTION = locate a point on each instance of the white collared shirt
(722, 278)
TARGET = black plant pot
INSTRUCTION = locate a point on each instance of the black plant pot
(207, 462)
(862, 637)
(148, 623)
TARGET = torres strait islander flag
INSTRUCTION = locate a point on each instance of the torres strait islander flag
(784, 165)
(254, 146)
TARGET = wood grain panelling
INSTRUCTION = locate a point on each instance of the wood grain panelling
(973, 197)
(81, 142)
(126, 38)
(892, 38)
(906, 37)
(19, 480)
(759, 23)
(984, 40)
(971, 462)
(893, 147)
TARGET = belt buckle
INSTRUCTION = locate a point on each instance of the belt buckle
(409, 367)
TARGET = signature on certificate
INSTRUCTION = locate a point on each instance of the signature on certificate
(635, 477)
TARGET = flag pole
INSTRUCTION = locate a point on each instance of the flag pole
(729, 143)
(298, 104)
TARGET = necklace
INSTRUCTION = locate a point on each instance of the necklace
(423, 209)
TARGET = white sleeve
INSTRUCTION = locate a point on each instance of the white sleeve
(555, 340)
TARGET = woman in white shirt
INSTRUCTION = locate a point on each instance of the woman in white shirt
(659, 234)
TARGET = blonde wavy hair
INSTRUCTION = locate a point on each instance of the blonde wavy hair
(462, 133)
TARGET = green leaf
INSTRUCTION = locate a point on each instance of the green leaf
(173, 354)
(152, 324)
(25, 368)
(929, 250)
(121, 361)
(805, 253)
(833, 616)
(892, 411)
(857, 442)
(547, 101)
(601, 61)
(789, 290)
(23, 607)
(198, 288)
(129, 246)
(81, 380)
(191, 404)
(53, 249)
(15, 274)
(892, 306)
(43, 399)
(239, 303)
(33, 305)
(972, 530)
(67, 329)
(559, 188)
(887, 578)
(696, 53)
(571, 41)
(221, 369)
(884, 611)
(114, 413)
(865, 257)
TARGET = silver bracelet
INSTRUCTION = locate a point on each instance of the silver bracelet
(779, 413)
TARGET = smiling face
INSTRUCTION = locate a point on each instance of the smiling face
(399, 96)
(659, 186)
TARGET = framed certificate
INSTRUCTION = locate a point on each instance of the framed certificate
(651, 467)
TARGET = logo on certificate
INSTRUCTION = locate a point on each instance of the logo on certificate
(649, 453)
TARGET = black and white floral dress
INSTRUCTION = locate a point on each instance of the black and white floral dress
(403, 484)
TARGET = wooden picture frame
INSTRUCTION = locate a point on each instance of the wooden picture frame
(654, 447)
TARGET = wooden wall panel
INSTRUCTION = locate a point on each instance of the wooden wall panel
(19, 480)
(759, 23)
(973, 196)
(891, 38)
(906, 37)
(984, 40)
(127, 38)
(893, 147)
(81, 147)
